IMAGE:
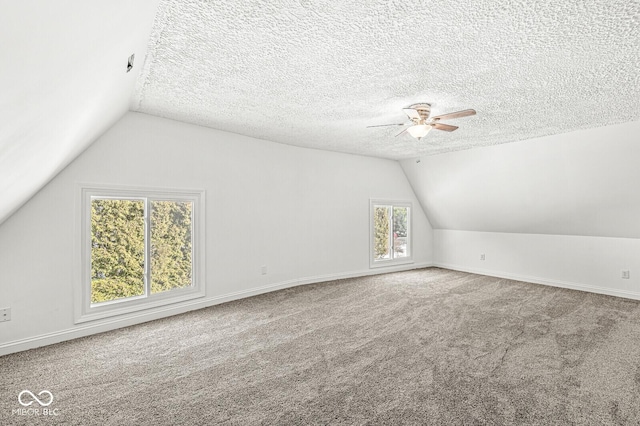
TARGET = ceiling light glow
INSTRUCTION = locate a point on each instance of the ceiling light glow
(419, 131)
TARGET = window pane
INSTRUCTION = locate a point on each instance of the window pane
(381, 244)
(117, 249)
(400, 215)
(170, 245)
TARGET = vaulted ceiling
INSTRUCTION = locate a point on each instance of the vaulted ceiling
(311, 73)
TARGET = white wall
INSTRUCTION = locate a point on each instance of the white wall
(303, 213)
(580, 262)
(561, 210)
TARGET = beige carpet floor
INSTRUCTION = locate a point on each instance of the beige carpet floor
(429, 346)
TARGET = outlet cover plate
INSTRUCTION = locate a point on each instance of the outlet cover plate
(5, 314)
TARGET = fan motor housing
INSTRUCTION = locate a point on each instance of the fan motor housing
(423, 109)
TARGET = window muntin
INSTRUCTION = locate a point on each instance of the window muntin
(390, 232)
(141, 248)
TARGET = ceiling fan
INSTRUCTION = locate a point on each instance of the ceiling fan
(421, 123)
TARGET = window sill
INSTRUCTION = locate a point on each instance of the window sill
(394, 262)
(113, 309)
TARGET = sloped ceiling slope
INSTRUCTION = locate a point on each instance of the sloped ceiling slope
(315, 73)
(578, 183)
(63, 82)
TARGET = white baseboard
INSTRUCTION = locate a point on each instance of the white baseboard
(100, 326)
(543, 281)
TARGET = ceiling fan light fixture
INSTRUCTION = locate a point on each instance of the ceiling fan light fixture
(419, 130)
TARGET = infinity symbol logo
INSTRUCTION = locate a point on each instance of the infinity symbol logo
(35, 397)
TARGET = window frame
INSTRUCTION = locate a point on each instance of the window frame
(87, 311)
(378, 263)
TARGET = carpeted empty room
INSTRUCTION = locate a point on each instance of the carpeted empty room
(319, 212)
(428, 346)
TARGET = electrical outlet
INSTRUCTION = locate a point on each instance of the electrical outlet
(482, 256)
(264, 269)
(625, 274)
(5, 314)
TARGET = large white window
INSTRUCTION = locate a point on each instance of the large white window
(140, 248)
(390, 223)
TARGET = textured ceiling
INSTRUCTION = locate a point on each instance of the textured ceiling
(315, 73)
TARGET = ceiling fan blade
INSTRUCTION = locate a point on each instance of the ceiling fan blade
(401, 132)
(412, 113)
(384, 125)
(457, 114)
(445, 127)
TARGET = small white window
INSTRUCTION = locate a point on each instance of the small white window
(141, 248)
(390, 223)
